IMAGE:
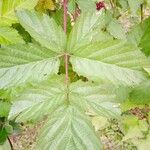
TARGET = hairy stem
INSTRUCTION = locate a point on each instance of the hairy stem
(66, 58)
(65, 15)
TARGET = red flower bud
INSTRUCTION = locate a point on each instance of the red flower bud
(100, 5)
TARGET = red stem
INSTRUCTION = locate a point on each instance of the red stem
(65, 15)
(66, 68)
(65, 30)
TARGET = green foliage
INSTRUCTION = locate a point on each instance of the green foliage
(141, 94)
(63, 131)
(108, 67)
(9, 36)
(88, 5)
(5, 107)
(139, 36)
(5, 146)
(8, 6)
(24, 63)
(43, 29)
(134, 5)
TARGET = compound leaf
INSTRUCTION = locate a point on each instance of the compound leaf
(67, 128)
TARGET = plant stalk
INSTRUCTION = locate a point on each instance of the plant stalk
(66, 57)
(142, 14)
(10, 143)
(65, 15)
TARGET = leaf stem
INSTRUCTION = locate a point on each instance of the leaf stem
(11, 145)
(142, 14)
(65, 15)
(66, 57)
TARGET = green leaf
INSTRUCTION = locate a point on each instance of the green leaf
(114, 61)
(5, 146)
(51, 94)
(142, 144)
(100, 122)
(72, 6)
(43, 29)
(9, 35)
(134, 6)
(116, 29)
(147, 69)
(4, 108)
(24, 63)
(99, 98)
(3, 135)
(133, 133)
(8, 7)
(68, 129)
(141, 93)
(139, 36)
(86, 6)
(58, 17)
(65, 108)
(144, 43)
(85, 29)
(29, 105)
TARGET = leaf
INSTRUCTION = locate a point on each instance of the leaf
(86, 28)
(128, 105)
(8, 7)
(29, 105)
(68, 129)
(51, 94)
(113, 60)
(133, 133)
(116, 29)
(139, 36)
(72, 6)
(25, 35)
(9, 35)
(144, 42)
(147, 69)
(44, 5)
(20, 64)
(86, 6)
(142, 144)
(4, 108)
(134, 5)
(3, 135)
(5, 146)
(99, 122)
(99, 98)
(143, 125)
(141, 93)
(58, 17)
(43, 29)
(65, 107)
